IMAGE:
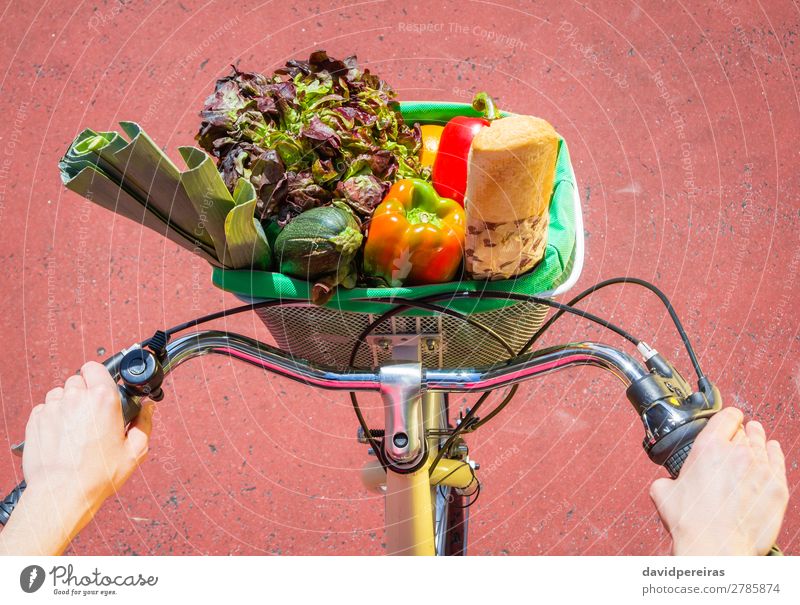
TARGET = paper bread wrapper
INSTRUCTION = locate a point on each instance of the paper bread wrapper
(510, 179)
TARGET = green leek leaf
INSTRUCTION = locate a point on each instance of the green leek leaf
(246, 242)
(210, 197)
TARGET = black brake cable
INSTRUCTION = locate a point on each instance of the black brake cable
(568, 309)
(608, 282)
(469, 496)
(193, 323)
(512, 296)
(469, 421)
(278, 302)
(361, 339)
(626, 280)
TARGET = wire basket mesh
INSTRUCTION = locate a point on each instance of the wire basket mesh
(327, 336)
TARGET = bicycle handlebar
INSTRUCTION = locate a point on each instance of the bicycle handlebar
(671, 413)
(466, 380)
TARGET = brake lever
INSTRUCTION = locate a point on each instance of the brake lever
(141, 372)
(672, 414)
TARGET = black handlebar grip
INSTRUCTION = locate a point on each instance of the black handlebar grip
(673, 448)
(10, 502)
(130, 407)
(674, 463)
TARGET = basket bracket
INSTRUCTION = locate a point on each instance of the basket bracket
(404, 347)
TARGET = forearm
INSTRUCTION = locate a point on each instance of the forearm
(43, 523)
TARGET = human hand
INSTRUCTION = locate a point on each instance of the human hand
(75, 443)
(77, 454)
(731, 494)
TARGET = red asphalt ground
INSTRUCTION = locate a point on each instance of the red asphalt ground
(244, 463)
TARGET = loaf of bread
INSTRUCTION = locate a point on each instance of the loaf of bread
(510, 179)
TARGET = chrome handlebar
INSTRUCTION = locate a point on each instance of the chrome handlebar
(671, 413)
(266, 357)
(400, 385)
(468, 380)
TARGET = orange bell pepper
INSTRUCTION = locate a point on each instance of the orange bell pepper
(415, 237)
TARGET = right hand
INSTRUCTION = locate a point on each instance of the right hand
(731, 494)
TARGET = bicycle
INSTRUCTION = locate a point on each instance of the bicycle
(422, 463)
(376, 343)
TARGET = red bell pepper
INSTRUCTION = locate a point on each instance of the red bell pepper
(450, 166)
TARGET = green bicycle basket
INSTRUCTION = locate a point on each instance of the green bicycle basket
(327, 334)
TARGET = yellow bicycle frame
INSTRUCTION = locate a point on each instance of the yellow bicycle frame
(409, 514)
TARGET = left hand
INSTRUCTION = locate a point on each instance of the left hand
(77, 454)
(75, 445)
